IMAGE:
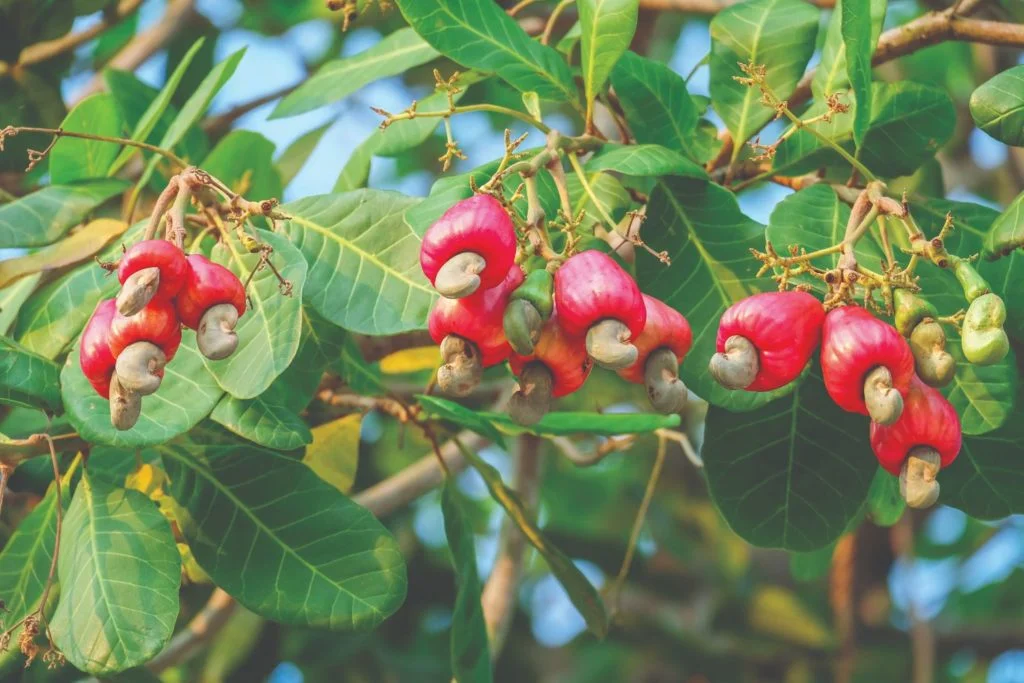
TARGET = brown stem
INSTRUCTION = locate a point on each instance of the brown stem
(203, 626)
(48, 49)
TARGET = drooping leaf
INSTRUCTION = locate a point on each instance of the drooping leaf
(987, 478)
(644, 160)
(147, 123)
(470, 654)
(244, 161)
(13, 297)
(1006, 275)
(78, 247)
(187, 394)
(709, 242)
(814, 218)
(295, 156)
(269, 331)
(454, 412)
(658, 106)
(791, 474)
(857, 26)
(118, 556)
(581, 592)
(339, 78)
(909, 123)
(364, 271)
(479, 35)
(285, 544)
(831, 75)
(46, 215)
(776, 34)
(27, 379)
(73, 159)
(607, 27)
(997, 106)
(334, 451)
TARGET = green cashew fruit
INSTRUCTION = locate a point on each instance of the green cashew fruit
(537, 289)
(984, 341)
(911, 310)
(934, 365)
(973, 283)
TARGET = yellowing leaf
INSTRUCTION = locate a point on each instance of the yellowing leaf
(190, 568)
(334, 453)
(411, 360)
(78, 247)
(778, 612)
(148, 479)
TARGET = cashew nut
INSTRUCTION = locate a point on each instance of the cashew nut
(461, 370)
(665, 390)
(608, 344)
(137, 291)
(522, 323)
(125, 405)
(138, 365)
(532, 399)
(737, 366)
(918, 485)
(460, 276)
(883, 401)
(215, 334)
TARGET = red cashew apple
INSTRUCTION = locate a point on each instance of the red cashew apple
(94, 354)
(148, 269)
(471, 334)
(558, 366)
(211, 302)
(599, 300)
(143, 344)
(765, 341)
(471, 247)
(866, 364)
(924, 439)
(661, 347)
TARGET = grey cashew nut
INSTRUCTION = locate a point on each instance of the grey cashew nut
(737, 366)
(125, 405)
(608, 344)
(935, 366)
(665, 390)
(215, 334)
(918, 484)
(532, 399)
(461, 370)
(460, 276)
(522, 324)
(883, 400)
(138, 365)
(138, 290)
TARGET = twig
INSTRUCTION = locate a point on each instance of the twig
(553, 19)
(57, 133)
(705, 6)
(500, 592)
(46, 50)
(190, 640)
(215, 126)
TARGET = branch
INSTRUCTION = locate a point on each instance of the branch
(499, 594)
(145, 44)
(705, 6)
(190, 640)
(215, 126)
(46, 50)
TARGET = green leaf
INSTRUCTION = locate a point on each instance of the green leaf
(294, 157)
(607, 28)
(644, 160)
(244, 161)
(46, 215)
(909, 123)
(74, 159)
(444, 409)
(52, 317)
(857, 26)
(831, 74)
(471, 656)
(709, 242)
(281, 541)
(885, 504)
(791, 474)
(25, 564)
(192, 110)
(334, 451)
(776, 34)
(479, 35)
(364, 270)
(339, 78)
(13, 297)
(811, 565)
(27, 379)
(120, 572)
(187, 394)
(997, 106)
(814, 218)
(153, 113)
(986, 480)
(581, 592)
(269, 332)
(658, 107)
(357, 374)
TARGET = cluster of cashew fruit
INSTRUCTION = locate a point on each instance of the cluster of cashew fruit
(129, 340)
(765, 342)
(551, 320)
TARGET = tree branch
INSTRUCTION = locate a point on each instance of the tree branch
(145, 44)
(210, 620)
(46, 50)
